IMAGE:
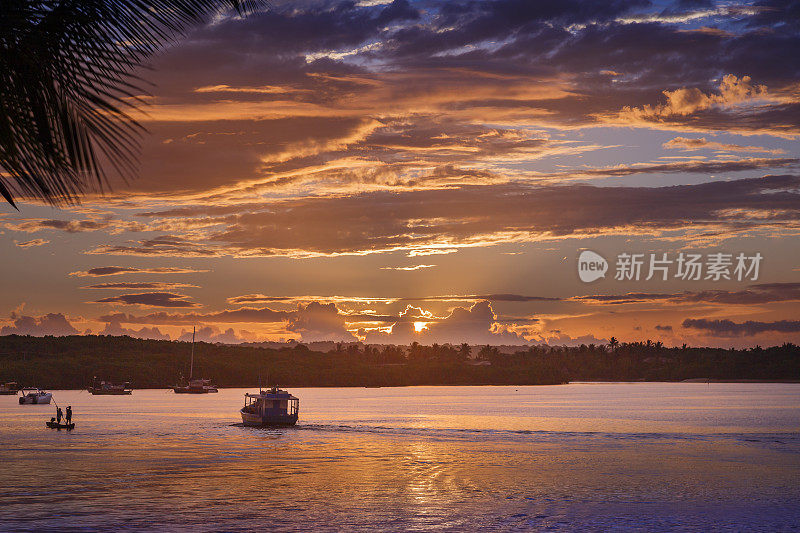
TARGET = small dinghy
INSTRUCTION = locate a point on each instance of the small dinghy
(56, 425)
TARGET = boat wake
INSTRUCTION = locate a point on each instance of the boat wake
(784, 441)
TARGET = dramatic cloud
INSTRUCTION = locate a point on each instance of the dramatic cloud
(69, 226)
(115, 270)
(32, 242)
(476, 325)
(380, 92)
(170, 245)
(245, 314)
(408, 268)
(631, 297)
(760, 293)
(684, 143)
(559, 338)
(433, 251)
(488, 297)
(319, 322)
(461, 130)
(150, 299)
(728, 328)
(115, 329)
(50, 324)
(481, 216)
(154, 285)
(262, 298)
(700, 167)
(213, 334)
(733, 91)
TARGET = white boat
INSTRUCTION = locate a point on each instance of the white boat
(30, 396)
(195, 386)
(273, 407)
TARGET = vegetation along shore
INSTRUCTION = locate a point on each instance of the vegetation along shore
(71, 362)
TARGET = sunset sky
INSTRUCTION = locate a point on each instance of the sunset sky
(430, 171)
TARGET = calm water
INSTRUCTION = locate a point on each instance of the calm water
(581, 456)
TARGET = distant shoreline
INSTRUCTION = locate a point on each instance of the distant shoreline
(693, 380)
(75, 362)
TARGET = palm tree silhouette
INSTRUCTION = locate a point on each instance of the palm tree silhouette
(465, 351)
(613, 342)
(67, 88)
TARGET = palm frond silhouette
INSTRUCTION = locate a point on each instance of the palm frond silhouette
(67, 88)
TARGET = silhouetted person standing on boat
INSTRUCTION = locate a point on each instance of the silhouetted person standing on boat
(69, 414)
(59, 414)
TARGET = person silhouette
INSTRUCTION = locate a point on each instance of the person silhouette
(59, 415)
(69, 414)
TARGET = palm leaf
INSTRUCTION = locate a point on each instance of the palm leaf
(67, 88)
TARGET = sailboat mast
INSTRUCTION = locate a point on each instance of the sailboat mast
(191, 364)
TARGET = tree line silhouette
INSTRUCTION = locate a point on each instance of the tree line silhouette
(71, 363)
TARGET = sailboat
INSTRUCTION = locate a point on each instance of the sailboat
(195, 386)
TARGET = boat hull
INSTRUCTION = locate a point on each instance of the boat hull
(188, 390)
(106, 392)
(259, 421)
(36, 400)
(56, 425)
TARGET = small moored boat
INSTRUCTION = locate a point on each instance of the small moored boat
(196, 386)
(56, 425)
(272, 407)
(10, 387)
(106, 387)
(30, 396)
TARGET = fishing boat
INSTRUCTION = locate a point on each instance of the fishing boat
(34, 396)
(10, 387)
(106, 387)
(195, 386)
(55, 425)
(272, 407)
